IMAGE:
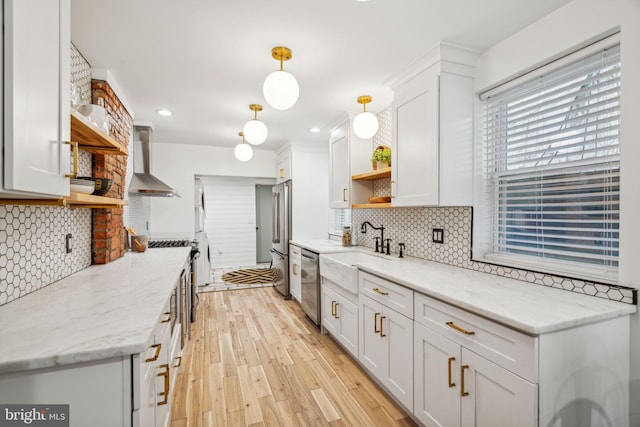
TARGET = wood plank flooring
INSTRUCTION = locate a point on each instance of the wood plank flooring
(255, 360)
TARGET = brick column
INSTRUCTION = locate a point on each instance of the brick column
(108, 224)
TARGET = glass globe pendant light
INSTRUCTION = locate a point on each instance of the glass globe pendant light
(243, 151)
(365, 125)
(280, 88)
(254, 130)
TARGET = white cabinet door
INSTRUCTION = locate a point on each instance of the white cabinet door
(371, 352)
(295, 280)
(339, 177)
(386, 348)
(329, 320)
(36, 97)
(436, 378)
(415, 173)
(397, 333)
(347, 314)
(496, 396)
(284, 166)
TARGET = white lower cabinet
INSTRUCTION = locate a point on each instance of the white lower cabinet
(340, 316)
(386, 342)
(295, 279)
(456, 387)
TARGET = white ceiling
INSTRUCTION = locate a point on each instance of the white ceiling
(206, 60)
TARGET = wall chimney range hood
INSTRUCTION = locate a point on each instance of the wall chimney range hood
(142, 182)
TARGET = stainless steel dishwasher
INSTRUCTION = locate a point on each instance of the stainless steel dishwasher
(310, 285)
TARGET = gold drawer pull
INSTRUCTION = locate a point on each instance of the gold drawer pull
(344, 194)
(333, 308)
(168, 319)
(451, 359)
(378, 291)
(462, 392)
(74, 149)
(381, 319)
(459, 329)
(375, 323)
(165, 393)
(336, 313)
(155, 356)
(179, 359)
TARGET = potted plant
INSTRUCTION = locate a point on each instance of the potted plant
(381, 157)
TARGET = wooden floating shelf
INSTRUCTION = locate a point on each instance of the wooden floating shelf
(92, 139)
(371, 206)
(75, 200)
(373, 175)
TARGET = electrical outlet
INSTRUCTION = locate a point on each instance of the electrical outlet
(437, 235)
(69, 242)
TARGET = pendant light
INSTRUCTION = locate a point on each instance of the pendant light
(254, 130)
(365, 125)
(280, 88)
(243, 151)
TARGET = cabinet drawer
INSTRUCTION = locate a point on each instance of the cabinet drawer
(504, 346)
(388, 293)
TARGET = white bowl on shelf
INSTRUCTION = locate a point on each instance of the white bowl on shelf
(83, 186)
(97, 115)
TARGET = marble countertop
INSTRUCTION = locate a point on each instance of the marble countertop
(529, 308)
(323, 246)
(100, 312)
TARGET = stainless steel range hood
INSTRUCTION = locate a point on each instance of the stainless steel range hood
(142, 182)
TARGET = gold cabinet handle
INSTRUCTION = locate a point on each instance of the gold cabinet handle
(333, 308)
(336, 313)
(165, 393)
(375, 323)
(74, 149)
(378, 291)
(462, 392)
(168, 319)
(381, 319)
(391, 189)
(450, 384)
(155, 356)
(344, 194)
(459, 329)
(295, 269)
(179, 359)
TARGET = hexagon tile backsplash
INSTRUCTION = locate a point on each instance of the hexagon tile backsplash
(32, 247)
(413, 227)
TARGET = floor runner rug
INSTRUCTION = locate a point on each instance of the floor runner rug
(249, 276)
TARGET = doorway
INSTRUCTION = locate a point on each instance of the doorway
(263, 223)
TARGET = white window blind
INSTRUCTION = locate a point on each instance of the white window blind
(553, 166)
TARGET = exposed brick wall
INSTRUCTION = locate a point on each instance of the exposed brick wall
(108, 225)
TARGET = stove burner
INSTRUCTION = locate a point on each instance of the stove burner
(168, 243)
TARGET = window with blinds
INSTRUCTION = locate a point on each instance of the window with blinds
(553, 165)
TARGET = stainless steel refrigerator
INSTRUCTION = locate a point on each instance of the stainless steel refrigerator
(281, 233)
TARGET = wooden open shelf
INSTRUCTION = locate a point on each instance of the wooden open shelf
(373, 175)
(75, 200)
(371, 206)
(92, 139)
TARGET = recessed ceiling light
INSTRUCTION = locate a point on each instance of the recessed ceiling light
(314, 129)
(164, 112)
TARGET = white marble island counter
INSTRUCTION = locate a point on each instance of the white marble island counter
(100, 312)
(529, 308)
(323, 246)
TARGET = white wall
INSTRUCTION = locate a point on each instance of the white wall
(310, 194)
(177, 164)
(550, 37)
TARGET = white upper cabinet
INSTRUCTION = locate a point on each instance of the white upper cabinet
(35, 108)
(432, 133)
(348, 155)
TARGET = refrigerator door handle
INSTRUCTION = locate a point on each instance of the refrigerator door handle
(275, 229)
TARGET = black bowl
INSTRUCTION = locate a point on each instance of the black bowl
(103, 185)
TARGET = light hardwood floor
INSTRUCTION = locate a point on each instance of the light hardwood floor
(255, 360)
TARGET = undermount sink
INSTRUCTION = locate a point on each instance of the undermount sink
(340, 268)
